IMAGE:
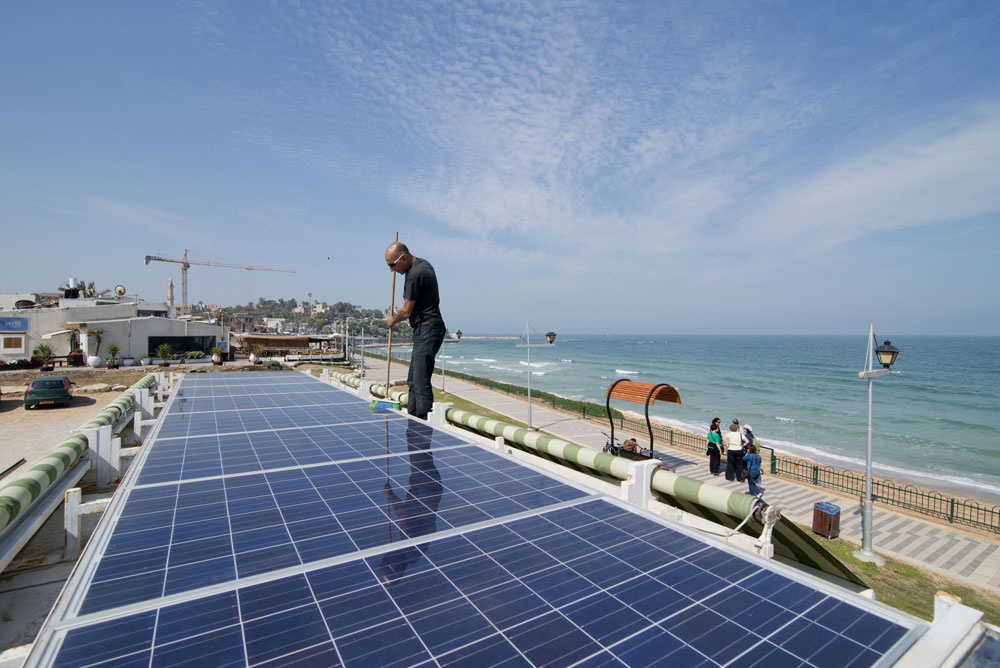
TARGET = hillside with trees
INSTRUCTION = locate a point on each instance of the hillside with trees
(320, 317)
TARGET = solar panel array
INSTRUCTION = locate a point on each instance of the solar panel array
(275, 520)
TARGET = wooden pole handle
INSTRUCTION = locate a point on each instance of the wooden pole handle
(392, 308)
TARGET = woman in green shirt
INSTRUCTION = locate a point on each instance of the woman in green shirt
(714, 447)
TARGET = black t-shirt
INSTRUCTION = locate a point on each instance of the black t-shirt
(422, 287)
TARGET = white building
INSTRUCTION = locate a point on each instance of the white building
(137, 327)
(274, 325)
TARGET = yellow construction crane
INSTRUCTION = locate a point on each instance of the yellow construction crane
(186, 263)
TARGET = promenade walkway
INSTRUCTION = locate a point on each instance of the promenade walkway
(963, 555)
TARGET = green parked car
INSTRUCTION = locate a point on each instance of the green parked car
(48, 390)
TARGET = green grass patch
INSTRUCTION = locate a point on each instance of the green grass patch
(466, 405)
(910, 589)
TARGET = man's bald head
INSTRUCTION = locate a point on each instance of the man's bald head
(398, 257)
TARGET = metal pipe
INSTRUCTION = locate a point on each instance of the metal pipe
(736, 504)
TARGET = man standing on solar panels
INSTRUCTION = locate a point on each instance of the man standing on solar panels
(421, 307)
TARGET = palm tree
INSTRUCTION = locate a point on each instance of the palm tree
(43, 354)
(113, 349)
(97, 335)
(163, 352)
(254, 350)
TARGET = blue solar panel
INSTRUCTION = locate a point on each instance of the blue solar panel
(515, 593)
(437, 552)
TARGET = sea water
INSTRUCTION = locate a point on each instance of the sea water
(934, 423)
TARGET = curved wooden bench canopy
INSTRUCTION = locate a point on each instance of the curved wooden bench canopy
(639, 393)
(642, 393)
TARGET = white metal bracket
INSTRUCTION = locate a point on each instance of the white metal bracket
(365, 389)
(439, 413)
(765, 548)
(636, 489)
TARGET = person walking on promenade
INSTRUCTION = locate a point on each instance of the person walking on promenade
(752, 461)
(734, 452)
(749, 439)
(714, 447)
(421, 306)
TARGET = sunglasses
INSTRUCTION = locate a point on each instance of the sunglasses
(396, 261)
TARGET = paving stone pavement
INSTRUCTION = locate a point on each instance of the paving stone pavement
(963, 555)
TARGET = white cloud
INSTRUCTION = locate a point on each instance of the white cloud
(937, 174)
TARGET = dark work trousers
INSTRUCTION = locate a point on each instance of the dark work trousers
(734, 464)
(713, 460)
(426, 342)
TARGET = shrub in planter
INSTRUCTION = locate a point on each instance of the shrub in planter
(255, 349)
(113, 349)
(43, 355)
(163, 352)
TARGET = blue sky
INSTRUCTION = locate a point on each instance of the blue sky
(653, 167)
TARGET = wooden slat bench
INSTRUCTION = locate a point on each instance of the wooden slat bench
(639, 393)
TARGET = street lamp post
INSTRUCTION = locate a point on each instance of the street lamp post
(886, 354)
(551, 337)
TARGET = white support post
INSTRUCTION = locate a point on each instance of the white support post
(636, 489)
(325, 375)
(116, 456)
(71, 521)
(500, 442)
(137, 414)
(439, 413)
(159, 386)
(73, 509)
(144, 402)
(146, 407)
(99, 443)
(365, 389)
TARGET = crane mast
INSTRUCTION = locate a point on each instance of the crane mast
(186, 264)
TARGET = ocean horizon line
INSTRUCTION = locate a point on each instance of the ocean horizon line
(860, 335)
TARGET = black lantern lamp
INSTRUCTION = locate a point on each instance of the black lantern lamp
(551, 336)
(887, 354)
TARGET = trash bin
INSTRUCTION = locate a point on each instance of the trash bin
(826, 519)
